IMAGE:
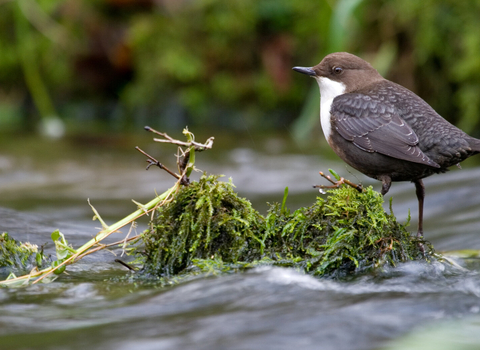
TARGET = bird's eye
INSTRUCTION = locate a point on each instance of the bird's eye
(337, 70)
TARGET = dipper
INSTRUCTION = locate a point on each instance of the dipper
(382, 129)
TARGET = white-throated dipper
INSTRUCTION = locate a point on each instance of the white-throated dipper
(382, 129)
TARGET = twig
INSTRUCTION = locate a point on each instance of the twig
(152, 161)
(104, 246)
(132, 226)
(185, 158)
(198, 146)
(338, 183)
(125, 264)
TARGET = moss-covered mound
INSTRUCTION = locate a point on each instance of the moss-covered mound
(208, 226)
(17, 257)
(205, 220)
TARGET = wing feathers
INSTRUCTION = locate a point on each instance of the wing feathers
(374, 126)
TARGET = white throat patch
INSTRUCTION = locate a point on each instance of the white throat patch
(329, 89)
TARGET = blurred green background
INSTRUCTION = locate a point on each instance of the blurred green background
(70, 67)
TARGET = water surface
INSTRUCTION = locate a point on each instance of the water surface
(412, 306)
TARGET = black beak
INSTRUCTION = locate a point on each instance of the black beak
(305, 70)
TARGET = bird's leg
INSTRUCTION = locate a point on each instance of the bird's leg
(387, 182)
(420, 190)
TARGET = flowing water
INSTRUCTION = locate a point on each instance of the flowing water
(45, 186)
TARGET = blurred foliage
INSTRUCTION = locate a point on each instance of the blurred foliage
(124, 63)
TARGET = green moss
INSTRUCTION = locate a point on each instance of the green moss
(209, 228)
(18, 257)
(348, 232)
(205, 220)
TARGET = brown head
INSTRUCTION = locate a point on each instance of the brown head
(343, 67)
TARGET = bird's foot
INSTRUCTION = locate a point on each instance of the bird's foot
(422, 248)
(336, 184)
(420, 238)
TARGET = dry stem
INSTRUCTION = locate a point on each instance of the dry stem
(338, 183)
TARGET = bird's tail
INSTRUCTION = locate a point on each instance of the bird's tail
(474, 144)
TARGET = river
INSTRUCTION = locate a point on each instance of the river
(44, 185)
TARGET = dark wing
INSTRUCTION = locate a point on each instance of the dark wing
(375, 126)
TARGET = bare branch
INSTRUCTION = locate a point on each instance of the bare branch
(338, 183)
(152, 161)
(167, 139)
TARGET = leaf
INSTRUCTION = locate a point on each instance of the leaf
(61, 245)
(334, 173)
(283, 209)
(39, 259)
(60, 269)
(55, 235)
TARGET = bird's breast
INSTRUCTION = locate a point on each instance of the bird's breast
(329, 89)
(325, 117)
